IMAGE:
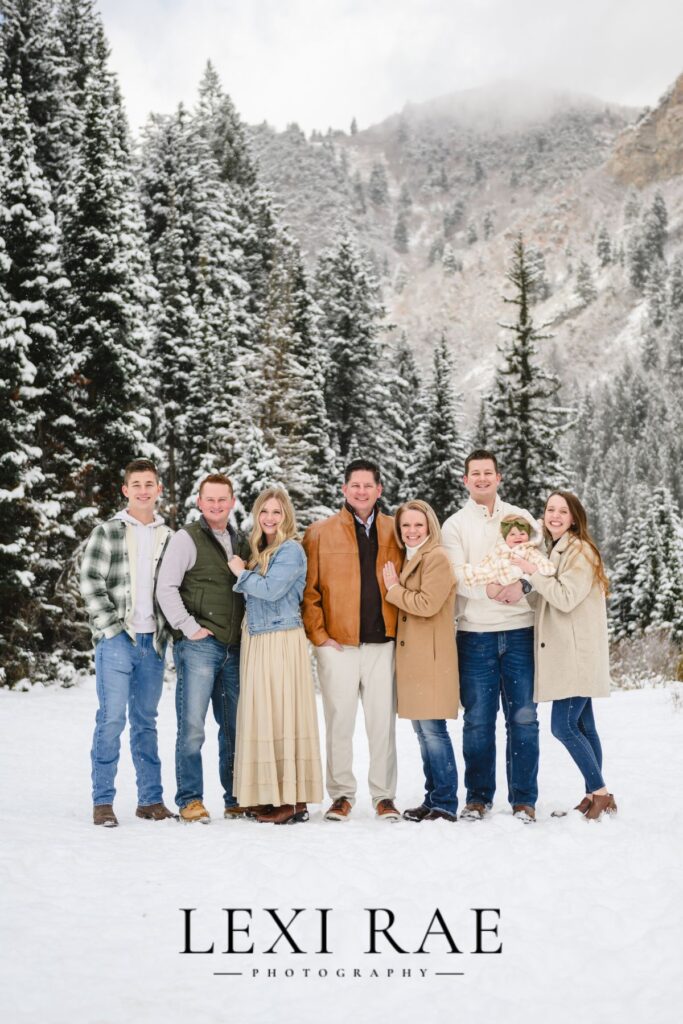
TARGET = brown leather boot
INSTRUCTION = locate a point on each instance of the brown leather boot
(103, 814)
(584, 805)
(154, 812)
(601, 805)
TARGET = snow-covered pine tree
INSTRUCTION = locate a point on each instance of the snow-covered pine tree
(108, 308)
(218, 121)
(378, 185)
(174, 359)
(36, 294)
(401, 233)
(648, 579)
(604, 247)
(585, 286)
(33, 64)
(403, 410)
(18, 459)
(438, 469)
(350, 326)
(526, 420)
(294, 402)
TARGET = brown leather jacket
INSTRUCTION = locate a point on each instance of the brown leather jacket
(331, 604)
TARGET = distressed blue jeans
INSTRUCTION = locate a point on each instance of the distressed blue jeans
(498, 668)
(573, 724)
(438, 761)
(208, 672)
(129, 676)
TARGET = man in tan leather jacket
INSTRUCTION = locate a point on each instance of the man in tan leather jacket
(351, 625)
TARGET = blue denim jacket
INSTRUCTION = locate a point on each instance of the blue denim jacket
(274, 600)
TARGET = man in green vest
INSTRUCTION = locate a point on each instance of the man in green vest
(196, 596)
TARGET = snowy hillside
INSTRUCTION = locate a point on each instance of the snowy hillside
(438, 191)
(591, 914)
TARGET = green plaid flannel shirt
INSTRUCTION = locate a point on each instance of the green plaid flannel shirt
(106, 587)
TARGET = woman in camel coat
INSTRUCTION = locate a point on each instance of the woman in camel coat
(426, 658)
(570, 632)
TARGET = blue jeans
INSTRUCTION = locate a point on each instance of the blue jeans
(208, 672)
(572, 723)
(438, 761)
(128, 675)
(499, 667)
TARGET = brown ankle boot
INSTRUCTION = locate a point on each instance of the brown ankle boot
(584, 805)
(286, 814)
(601, 805)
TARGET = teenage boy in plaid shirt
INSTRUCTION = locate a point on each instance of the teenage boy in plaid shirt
(118, 575)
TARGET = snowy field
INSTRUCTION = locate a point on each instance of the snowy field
(590, 913)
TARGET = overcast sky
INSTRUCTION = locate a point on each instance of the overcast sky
(321, 62)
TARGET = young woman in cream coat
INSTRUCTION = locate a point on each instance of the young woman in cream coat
(426, 658)
(572, 659)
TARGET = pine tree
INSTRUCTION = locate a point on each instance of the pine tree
(354, 127)
(36, 292)
(450, 262)
(174, 359)
(378, 185)
(648, 580)
(585, 286)
(540, 287)
(604, 247)
(107, 314)
(18, 457)
(403, 410)
(33, 65)
(401, 234)
(438, 471)
(525, 416)
(348, 295)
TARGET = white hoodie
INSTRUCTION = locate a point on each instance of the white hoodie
(468, 536)
(144, 541)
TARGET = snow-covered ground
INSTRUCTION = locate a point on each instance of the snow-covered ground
(590, 913)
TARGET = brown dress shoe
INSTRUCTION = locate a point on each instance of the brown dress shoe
(387, 811)
(103, 814)
(601, 805)
(154, 812)
(339, 810)
(287, 814)
(435, 815)
(584, 805)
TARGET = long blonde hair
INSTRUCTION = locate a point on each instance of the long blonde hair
(417, 505)
(261, 550)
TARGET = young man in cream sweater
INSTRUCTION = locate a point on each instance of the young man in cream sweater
(495, 637)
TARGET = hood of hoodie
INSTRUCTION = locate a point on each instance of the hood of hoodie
(126, 517)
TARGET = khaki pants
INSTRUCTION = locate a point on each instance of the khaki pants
(366, 672)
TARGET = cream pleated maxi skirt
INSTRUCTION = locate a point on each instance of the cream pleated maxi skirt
(278, 748)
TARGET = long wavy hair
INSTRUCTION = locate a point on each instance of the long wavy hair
(261, 550)
(579, 530)
(417, 505)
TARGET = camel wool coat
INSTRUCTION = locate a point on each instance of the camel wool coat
(427, 682)
(570, 631)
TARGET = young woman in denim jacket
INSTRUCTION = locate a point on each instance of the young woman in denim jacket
(277, 765)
